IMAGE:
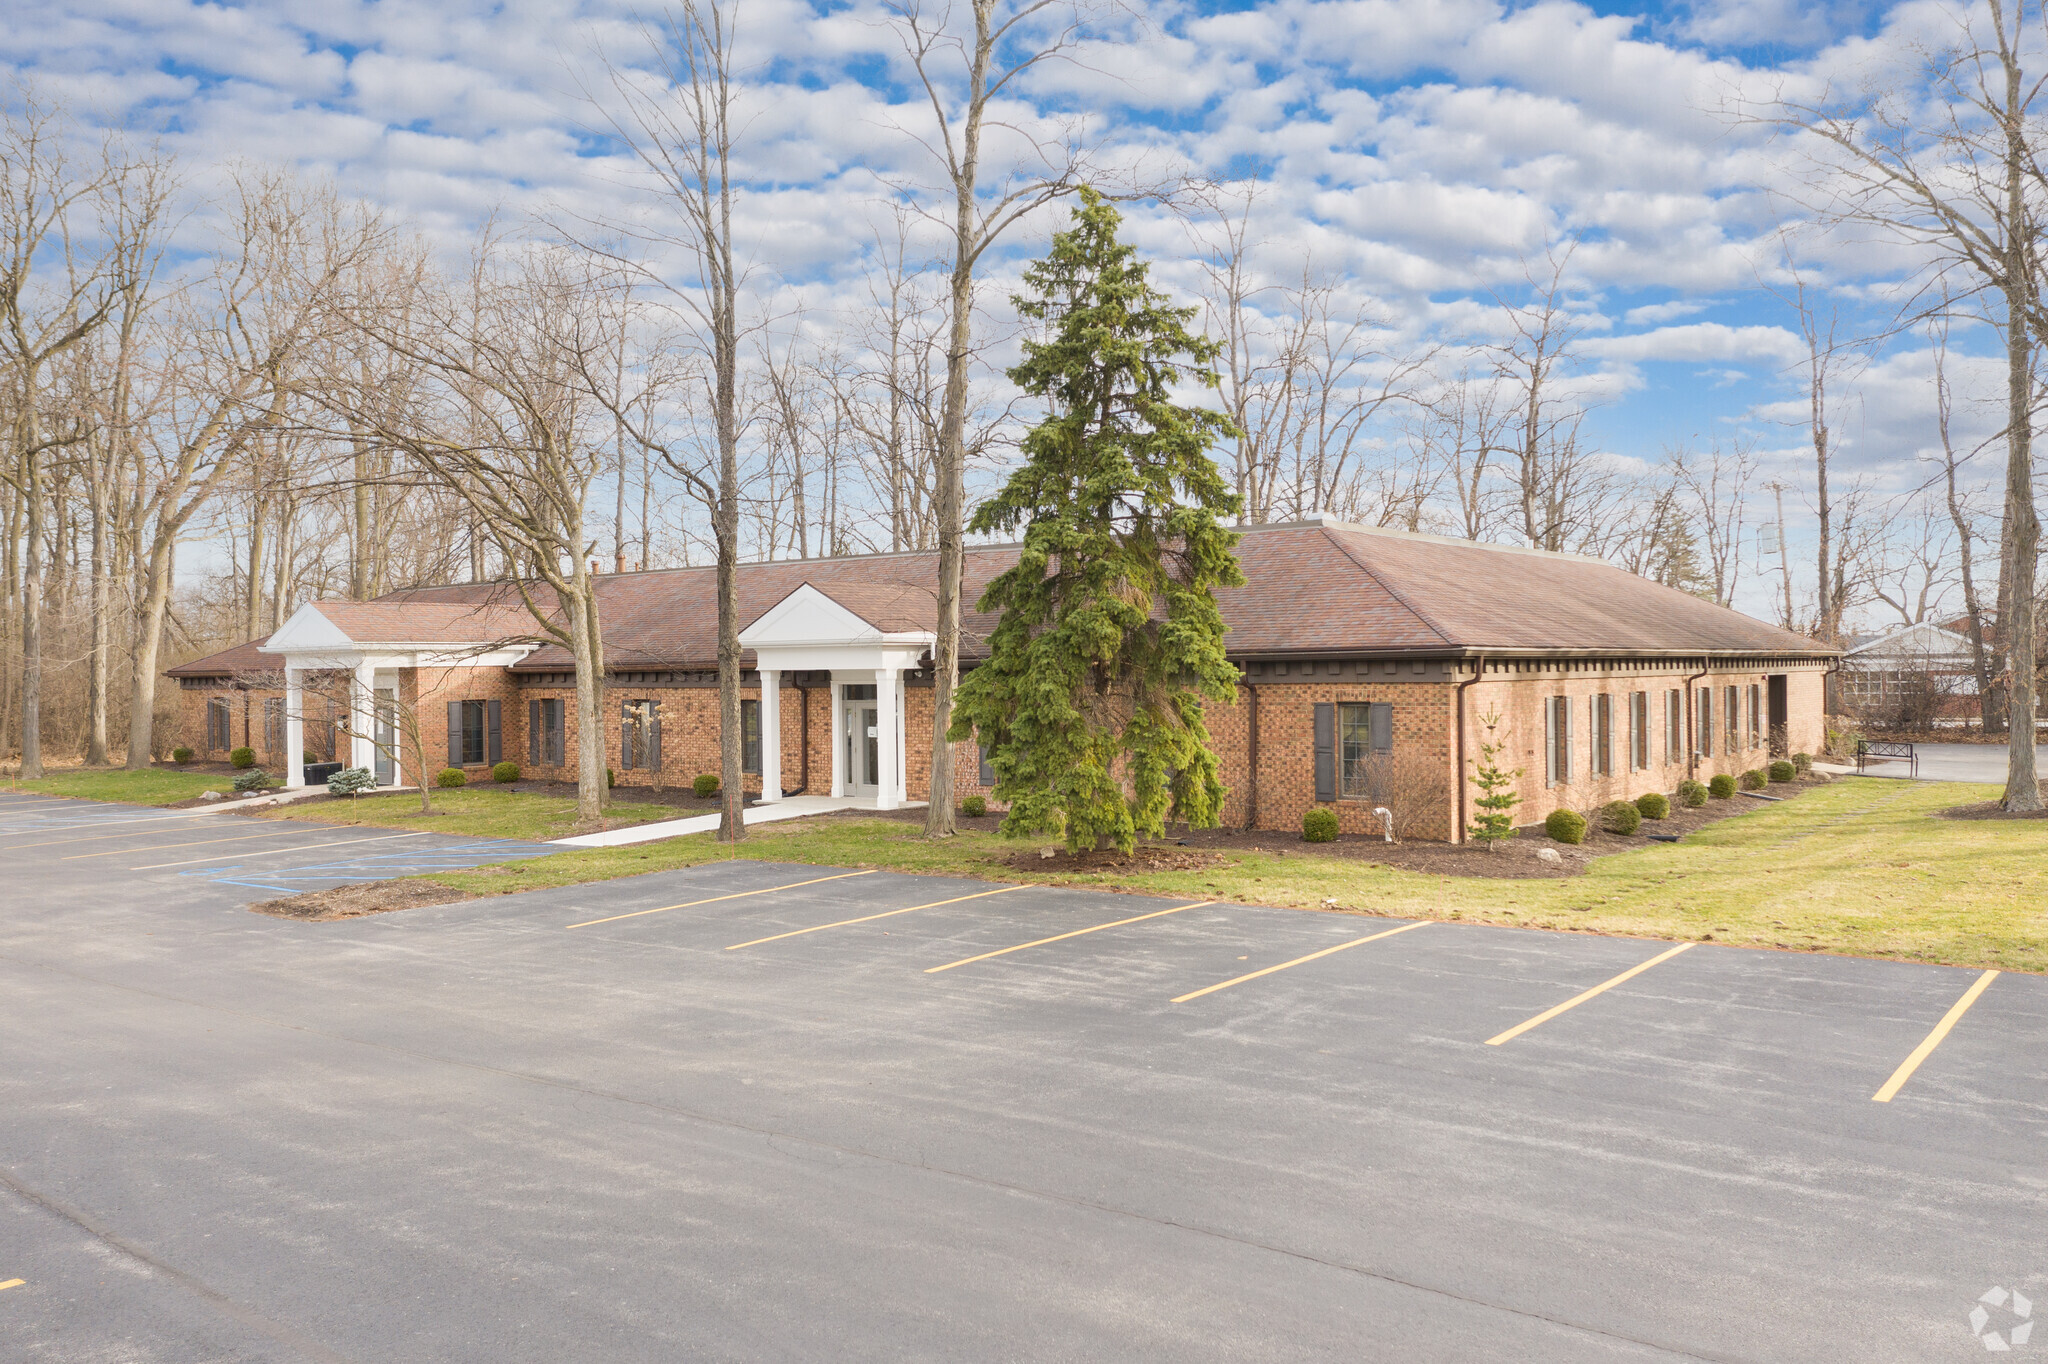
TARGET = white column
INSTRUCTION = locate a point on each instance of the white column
(838, 739)
(362, 750)
(294, 726)
(771, 734)
(902, 748)
(888, 784)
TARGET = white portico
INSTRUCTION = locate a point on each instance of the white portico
(867, 637)
(359, 650)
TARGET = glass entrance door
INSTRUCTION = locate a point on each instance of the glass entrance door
(863, 752)
(386, 769)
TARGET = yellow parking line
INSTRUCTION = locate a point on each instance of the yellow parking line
(738, 895)
(1254, 975)
(1576, 1000)
(1926, 1048)
(195, 843)
(273, 852)
(1062, 937)
(96, 838)
(869, 918)
(13, 1283)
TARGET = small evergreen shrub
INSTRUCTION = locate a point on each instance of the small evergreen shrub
(1653, 806)
(181, 754)
(974, 807)
(611, 779)
(451, 777)
(1802, 763)
(706, 785)
(1621, 817)
(1691, 794)
(255, 779)
(1319, 826)
(242, 759)
(505, 772)
(1721, 786)
(1566, 826)
(1494, 817)
(309, 757)
(351, 781)
(1755, 780)
(1782, 770)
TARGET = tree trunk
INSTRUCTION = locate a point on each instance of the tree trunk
(587, 648)
(32, 615)
(2022, 783)
(99, 655)
(149, 633)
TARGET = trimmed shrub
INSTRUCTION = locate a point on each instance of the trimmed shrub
(255, 779)
(1755, 780)
(181, 754)
(309, 757)
(1621, 817)
(505, 772)
(1319, 826)
(611, 779)
(351, 781)
(974, 807)
(1721, 786)
(1691, 794)
(1566, 826)
(450, 777)
(1653, 806)
(1782, 770)
(1802, 763)
(706, 785)
(242, 759)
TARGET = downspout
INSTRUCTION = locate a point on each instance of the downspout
(1692, 722)
(1478, 671)
(1251, 786)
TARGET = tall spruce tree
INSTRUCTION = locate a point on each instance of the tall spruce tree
(1110, 640)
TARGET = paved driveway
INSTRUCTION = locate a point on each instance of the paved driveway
(769, 1112)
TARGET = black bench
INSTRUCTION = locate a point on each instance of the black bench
(1886, 751)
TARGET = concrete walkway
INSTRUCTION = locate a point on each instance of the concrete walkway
(789, 807)
(1955, 762)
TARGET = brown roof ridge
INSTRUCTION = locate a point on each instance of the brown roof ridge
(1430, 538)
(1388, 587)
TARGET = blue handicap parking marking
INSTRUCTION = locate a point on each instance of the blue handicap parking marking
(376, 866)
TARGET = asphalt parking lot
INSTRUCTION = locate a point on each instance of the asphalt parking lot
(763, 1111)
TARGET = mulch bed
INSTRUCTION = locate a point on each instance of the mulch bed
(353, 902)
(1517, 859)
(1990, 809)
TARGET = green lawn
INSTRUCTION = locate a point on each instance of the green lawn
(474, 811)
(1861, 867)
(154, 786)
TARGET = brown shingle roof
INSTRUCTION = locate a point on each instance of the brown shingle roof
(412, 619)
(235, 662)
(1310, 589)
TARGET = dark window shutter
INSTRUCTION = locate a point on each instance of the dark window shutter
(494, 745)
(533, 733)
(455, 734)
(627, 746)
(986, 776)
(1380, 719)
(653, 713)
(1326, 750)
(557, 734)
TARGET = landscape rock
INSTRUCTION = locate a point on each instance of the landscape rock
(1549, 855)
(210, 796)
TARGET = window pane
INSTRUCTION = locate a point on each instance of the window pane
(1354, 748)
(750, 736)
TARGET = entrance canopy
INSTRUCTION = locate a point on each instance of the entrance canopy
(865, 636)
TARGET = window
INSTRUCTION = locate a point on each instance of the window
(473, 733)
(1364, 731)
(273, 726)
(1602, 708)
(544, 731)
(1731, 704)
(1674, 727)
(1557, 740)
(218, 729)
(860, 691)
(750, 737)
(639, 734)
(985, 776)
(1756, 724)
(1639, 731)
(1706, 722)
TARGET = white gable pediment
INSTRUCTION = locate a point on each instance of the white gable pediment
(807, 617)
(308, 630)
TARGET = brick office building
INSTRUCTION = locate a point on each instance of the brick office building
(1370, 662)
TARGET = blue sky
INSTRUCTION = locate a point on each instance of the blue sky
(1419, 152)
